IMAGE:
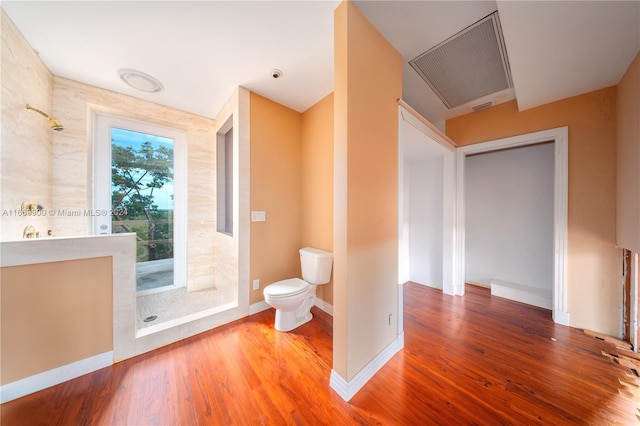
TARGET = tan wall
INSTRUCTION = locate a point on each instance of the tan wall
(317, 182)
(628, 172)
(54, 314)
(275, 189)
(368, 83)
(25, 151)
(594, 271)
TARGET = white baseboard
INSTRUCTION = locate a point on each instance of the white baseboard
(521, 293)
(561, 318)
(258, 307)
(321, 304)
(37, 382)
(478, 284)
(347, 390)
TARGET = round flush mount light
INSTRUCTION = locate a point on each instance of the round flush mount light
(140, 81)
(276, 73)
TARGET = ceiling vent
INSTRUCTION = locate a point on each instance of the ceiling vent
(467, 66)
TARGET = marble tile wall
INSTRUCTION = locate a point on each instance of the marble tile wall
(76, 105)
(25, 149)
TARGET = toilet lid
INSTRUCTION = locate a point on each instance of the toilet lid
(284, 288)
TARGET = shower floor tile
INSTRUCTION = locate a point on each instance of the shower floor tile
(176, 303)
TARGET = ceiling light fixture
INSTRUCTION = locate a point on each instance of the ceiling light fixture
(140, 81)
(276, 73)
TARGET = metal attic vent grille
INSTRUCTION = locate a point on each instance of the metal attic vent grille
(467, 66)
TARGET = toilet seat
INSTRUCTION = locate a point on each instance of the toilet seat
(286, 288)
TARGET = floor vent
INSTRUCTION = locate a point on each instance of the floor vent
(467, 66)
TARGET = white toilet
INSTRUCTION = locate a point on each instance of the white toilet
(293, 298)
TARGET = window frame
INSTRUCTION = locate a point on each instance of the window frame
(102, 179)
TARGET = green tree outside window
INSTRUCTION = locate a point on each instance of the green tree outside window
(138, 175)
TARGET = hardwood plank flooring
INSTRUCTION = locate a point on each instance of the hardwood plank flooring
(475, 359)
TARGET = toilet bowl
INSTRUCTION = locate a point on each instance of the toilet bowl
(293, 298)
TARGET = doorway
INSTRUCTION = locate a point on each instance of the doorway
(509, 222)
(559, 137)
(426, 203)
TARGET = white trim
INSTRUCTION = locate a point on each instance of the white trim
(37, 382)
(560, 317)
(400, 320)
(448, 223)
(347, 390)
(258, 307)
(404, 274)
(459, 245)
(166, 325)
(477, 284)
(400, 341)
(427, 127)
(560, 136)
(326, 307)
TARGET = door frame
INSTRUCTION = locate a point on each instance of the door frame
(560, 137)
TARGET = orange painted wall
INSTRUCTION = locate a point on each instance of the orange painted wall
(317, 182)
(594, 263)
(628, 182)
(275, 189)
(54, 314)
(368, 82)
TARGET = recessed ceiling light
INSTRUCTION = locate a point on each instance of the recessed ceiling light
(140, 81)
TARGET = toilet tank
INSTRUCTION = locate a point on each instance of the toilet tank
(316, 265)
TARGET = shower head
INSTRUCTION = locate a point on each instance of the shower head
(53, 123)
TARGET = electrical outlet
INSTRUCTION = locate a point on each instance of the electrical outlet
(256, 284)
(258, 216)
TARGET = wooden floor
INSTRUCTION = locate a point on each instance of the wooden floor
(475, 359)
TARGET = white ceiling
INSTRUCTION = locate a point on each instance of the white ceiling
(203, 50)
(562, 49)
